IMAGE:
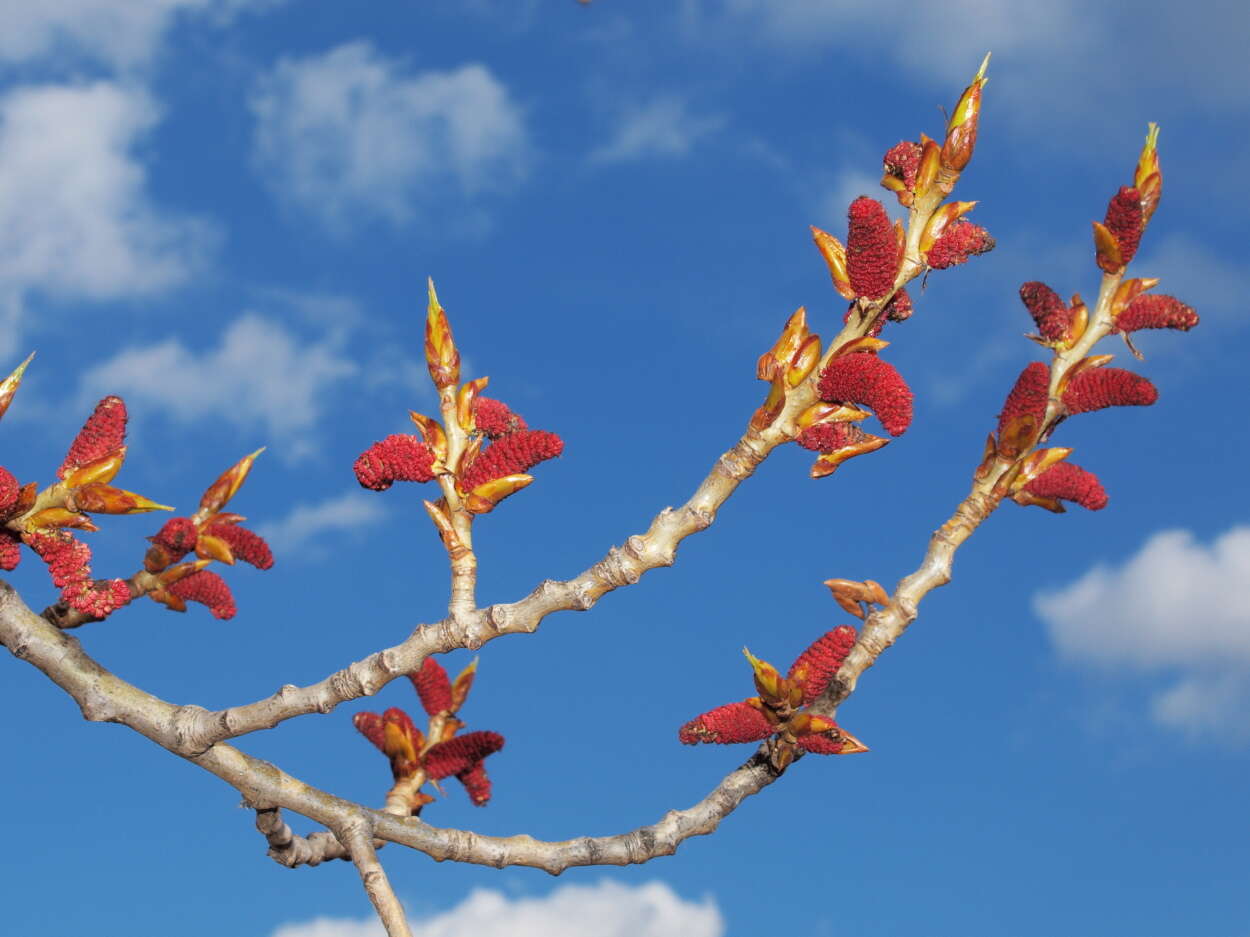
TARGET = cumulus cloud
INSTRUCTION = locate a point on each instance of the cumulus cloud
(260, 375)
(117, 33)
(351, 134)
(1179, 607)
(607, 909)
(75, 217)
(663, 127)
(309, 523)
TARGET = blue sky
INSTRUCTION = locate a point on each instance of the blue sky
(226, 212)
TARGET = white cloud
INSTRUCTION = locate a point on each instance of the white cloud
(75, 218)
(117, 32)
(307, 523)
(350, 134)
(1177, 606)
(260, 375)
(663, 127)
(607, 909)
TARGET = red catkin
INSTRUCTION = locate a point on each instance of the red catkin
(98, 599)
(1069, 482)
(1028, 396)
(1099, 388)
(104, 431)
(246, 545)
(370, 726)
(177, 537)
(461, 753)
(493, 418)
(863, 378)
(1149, 311)
(958, 242)
(725, 725)
(903, 162)
(397, 458)
(822, 659)
(1048, 310)
(10, 550)
(69, 561)
(476, 784)
(1124, 220)
(432, 686)
(820, 744)
(899, 308)
(207, 588)
(512, 455)
(9, 490)
(872, 254)
(827, 437)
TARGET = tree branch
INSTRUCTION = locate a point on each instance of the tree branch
(359, 840)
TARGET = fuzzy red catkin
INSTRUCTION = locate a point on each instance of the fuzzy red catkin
(822, 659)
(9, 490)
(1108, 387)
(246, 545)
(476, 784)
(177, 536)
(872, 254)
(207, 588)
(104, 431)
(1069, 482)
(1046, 307)
(432, 686)
(10, 550)
(820, 744)
(903, 162)
(370, 726)
(826, 437)
(1124, 220)
(863, 378)
(69, 561)
(1028, 395)
(1151, 311)
(397, 458)
(958, 242)
(98, 599)
(494, 418)
(512, 455)
(460, 753)
(725, 725)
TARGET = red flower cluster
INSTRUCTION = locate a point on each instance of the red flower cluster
(1048, 310)
(902, 161)
(864, 379)
(408, 749)
(816, 666)
(828, 437)
(899, 308)
(207, 588)
(397, 458)
(511, 455)
(1124, 220)
(9, 490)
(1098, 388)
(1070, 483)
(493, 418)
(179, 536)
(958, 242)
(69, 563)
(872, 254)
(1029, 395)
(1149, 311)
(10, 550)
(246, 545)
(103, 433)
(753, 720)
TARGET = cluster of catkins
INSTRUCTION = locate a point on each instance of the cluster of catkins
(216, 537)
(513, 449)
(449, 755)
(1088, 385)
(779, 707)
(93, 459)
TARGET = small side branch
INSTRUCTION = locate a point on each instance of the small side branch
(290, 849)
